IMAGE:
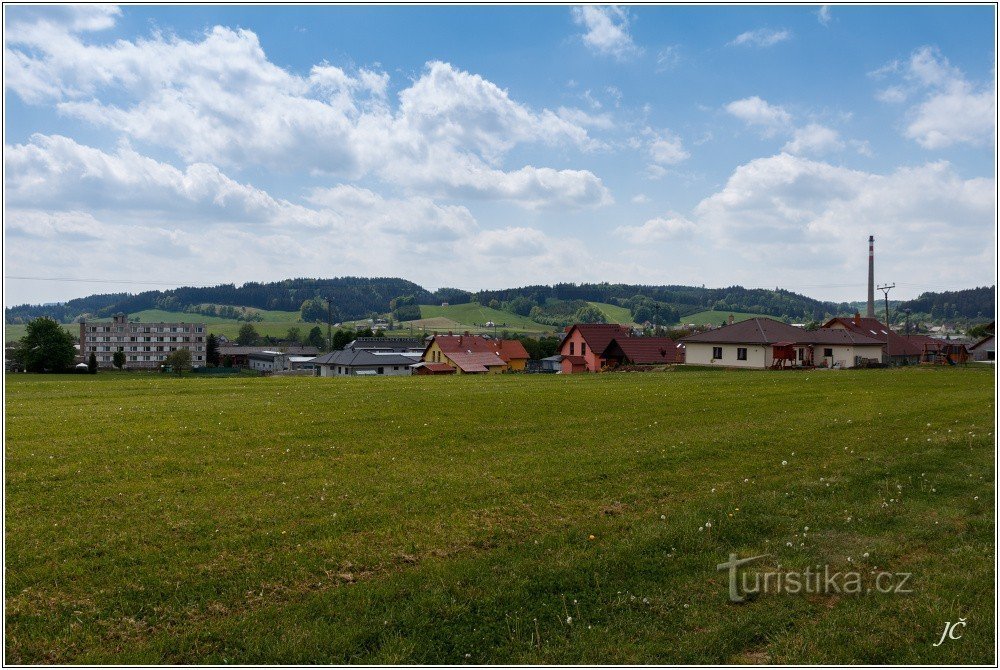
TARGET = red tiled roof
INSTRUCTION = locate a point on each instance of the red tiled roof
(466, 343)
(598, 335)
(509, 350)
(645, 350)
(476, 361)
(895, 345)
(770, 332)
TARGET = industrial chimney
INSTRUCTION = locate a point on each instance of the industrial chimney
(871, 276)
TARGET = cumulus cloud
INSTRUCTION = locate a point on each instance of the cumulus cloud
(78, 206)
(951, 109)
(667, 148)
(791, 214)
(607, 30)
(755, 111)
(814, 139)
(220, 100)
(657, 229)
(764, 37)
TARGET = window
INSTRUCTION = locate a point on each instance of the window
(716, 353)
(741, 353)
(395, 367)
(801, 354)
(828, 352)
(381, 371)
(572, 348)
(583, 348)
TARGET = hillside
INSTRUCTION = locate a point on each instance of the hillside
(528, 309)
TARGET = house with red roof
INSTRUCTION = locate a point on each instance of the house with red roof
(583, 347)
(473, 354)
(643, 351)
(898, 350)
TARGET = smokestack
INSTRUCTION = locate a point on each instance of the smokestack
(871, 276)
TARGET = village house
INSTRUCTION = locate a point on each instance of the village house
(897, 349)
(267, 361)
(390, 356)
(474, 354)
(765, 343)
(643, 351)
(986, 348)
(584, 344)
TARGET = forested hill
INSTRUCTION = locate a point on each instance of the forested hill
(972, 303)
(353, 297)
(360, 297)
(682, 299)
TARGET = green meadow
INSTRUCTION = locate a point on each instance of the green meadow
(496, 519)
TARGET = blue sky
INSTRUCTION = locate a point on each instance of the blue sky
(485, 147)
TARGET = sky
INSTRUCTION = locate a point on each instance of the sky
(487, 147)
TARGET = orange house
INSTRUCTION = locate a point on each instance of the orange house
(588, 341)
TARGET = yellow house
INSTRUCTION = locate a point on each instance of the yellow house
(472, 354)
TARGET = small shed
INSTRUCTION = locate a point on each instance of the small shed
(424, 368)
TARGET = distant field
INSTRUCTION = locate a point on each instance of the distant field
(504, 519)
(465, 316)
(613, 313)
(716, 317)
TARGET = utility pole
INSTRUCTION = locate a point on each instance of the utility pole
(885, 291)
(907, 312)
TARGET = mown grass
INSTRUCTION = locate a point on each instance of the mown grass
(428, 520)
(468, 314)
(717, 317)
(613, 313)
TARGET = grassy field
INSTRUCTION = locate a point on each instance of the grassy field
(155, 519)
(464, 317)
(716, 317)
(613, 313)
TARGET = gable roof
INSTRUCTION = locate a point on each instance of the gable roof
(597, 335)
(232, 350)
(645, 350)
(509, 350)
(476, 361)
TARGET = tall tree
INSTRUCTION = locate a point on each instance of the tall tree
(92, 363)
(118, 360)
(45, 347)
(315, 338)
(212, 351)
(248, 335)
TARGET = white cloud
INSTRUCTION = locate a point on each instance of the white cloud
(640, 199)
(607, 30)
(668, 57)
(70, 205)
(952, 110)
(755, 111)
(220, 100)
(823, 15)
(657, 229)
(764, 37)
(667, 149)
(792, 215)
(814, 139)
(891, 94)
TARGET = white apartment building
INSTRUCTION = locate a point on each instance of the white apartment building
(145, 345)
